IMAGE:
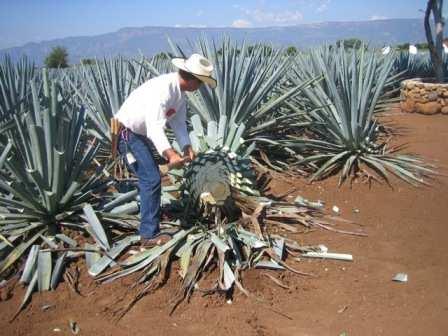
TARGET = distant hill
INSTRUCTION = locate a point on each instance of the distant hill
(151, 40)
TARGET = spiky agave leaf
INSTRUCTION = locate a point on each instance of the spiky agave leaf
(103, 87)
(156, 65)
(15, 91)
(344, 135)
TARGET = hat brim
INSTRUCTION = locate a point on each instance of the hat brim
(180, 63)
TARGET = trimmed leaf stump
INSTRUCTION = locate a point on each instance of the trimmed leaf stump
(424, 96)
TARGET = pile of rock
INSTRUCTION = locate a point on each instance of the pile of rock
(424, 97)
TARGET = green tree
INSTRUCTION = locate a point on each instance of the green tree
(57, 58)
(350, 43)
(164, 55)
(267, 49)
(88, 61)
(219, 52)
(422, 46)
(291, 51)
(403, 46)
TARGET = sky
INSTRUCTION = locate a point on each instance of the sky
(23, 21)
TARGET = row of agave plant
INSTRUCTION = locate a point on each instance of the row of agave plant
(417, 65)
(313, 113)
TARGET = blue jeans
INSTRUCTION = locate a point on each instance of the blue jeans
(149, 181)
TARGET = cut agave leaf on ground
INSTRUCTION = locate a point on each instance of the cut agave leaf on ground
(184, 261)
(144, 259)
(250, 239)
(229, 277)
(194, 271)
(91, 257)
(28, 293)
(279, 247)
(98, 230)
(269, 265)
(220, 244)
(114, 252)
(62, 237)
(192, 239)
(58, 270)
(149, 255)
(30, 265)
(44, 270)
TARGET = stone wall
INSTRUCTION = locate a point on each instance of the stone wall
(421, 96)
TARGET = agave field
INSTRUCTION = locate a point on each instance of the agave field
(63, 201)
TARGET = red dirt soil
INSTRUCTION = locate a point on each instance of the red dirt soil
(407, 231)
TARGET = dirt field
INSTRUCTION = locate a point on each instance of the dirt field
(407, 230)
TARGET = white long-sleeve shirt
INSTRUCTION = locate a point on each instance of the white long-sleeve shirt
(151, 105)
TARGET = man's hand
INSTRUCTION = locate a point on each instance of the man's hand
(174, 159)
(189, 153)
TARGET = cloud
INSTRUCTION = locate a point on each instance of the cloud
(271, 17)
(377, 17)
(323, 6)
(190, 26)
(240, 23)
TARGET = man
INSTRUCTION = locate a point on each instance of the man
(143, 116)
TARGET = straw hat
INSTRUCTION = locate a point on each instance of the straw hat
(198, 66)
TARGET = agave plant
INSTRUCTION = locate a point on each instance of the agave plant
(48, 191)
(15, 92)
(344, 135)
(103, 87)
(248, 90)
(156, 65)
(412, 66)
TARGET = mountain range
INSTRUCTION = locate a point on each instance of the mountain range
(151, 40)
